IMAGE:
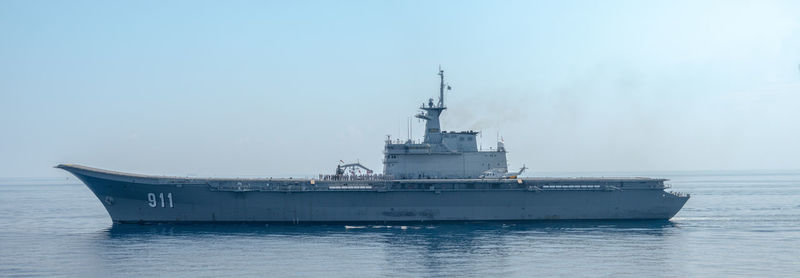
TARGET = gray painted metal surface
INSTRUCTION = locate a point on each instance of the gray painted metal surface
(433, 180)
(132, 198)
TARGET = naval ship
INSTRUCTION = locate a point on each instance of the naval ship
(444, 177)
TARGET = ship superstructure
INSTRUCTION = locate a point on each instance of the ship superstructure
(441, 154)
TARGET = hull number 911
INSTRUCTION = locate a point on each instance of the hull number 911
(164, 202)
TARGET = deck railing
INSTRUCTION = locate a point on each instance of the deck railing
(370, 177)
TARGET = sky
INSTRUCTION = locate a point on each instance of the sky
(289, 88)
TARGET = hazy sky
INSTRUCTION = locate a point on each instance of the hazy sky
(240, 88)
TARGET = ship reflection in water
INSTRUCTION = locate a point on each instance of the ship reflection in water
(457, 249)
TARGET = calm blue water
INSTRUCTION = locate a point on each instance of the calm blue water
(736, 224)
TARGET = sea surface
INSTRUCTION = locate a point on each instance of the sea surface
(736, 224)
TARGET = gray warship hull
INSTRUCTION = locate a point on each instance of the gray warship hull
(132, 198)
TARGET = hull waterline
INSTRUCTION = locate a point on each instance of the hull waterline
(131, 198)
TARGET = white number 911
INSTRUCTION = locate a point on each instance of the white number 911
(153, 202)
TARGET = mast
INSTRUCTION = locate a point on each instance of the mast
(433, 132)
(441, 87)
